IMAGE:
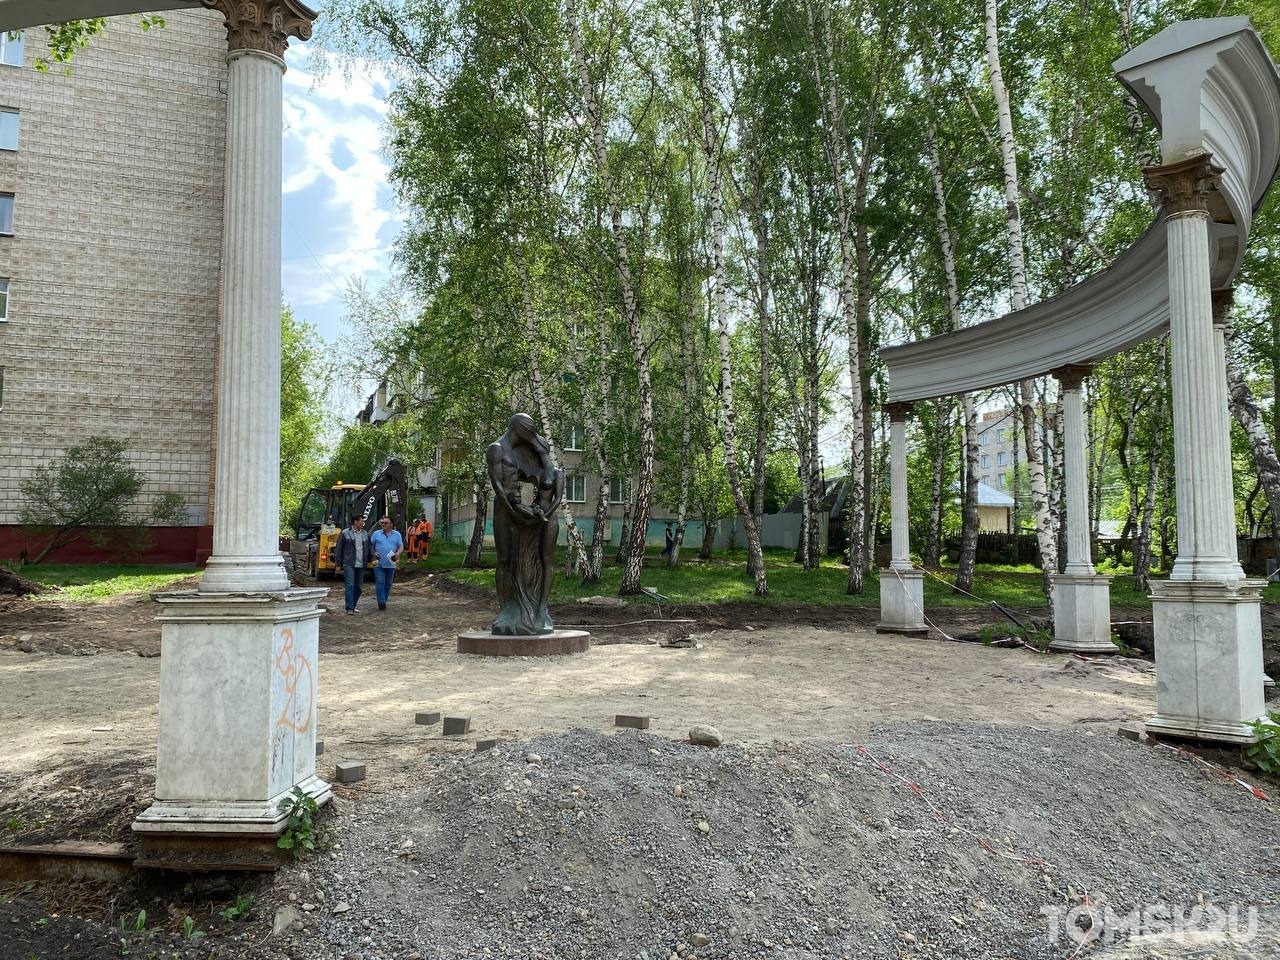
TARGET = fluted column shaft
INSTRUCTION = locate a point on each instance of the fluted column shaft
(1201, 422)
(1079, 553)
(246, 494)
(900, 532)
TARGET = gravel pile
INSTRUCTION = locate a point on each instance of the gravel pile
(936, 840)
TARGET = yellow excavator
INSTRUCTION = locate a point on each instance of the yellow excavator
(326, 511)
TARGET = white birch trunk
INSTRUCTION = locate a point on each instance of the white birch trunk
(1018, 300)
(643, 493)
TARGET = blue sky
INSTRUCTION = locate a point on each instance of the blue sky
(340, 217)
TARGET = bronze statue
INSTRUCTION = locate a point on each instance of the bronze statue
(524, 534)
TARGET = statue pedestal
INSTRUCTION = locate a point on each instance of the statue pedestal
(482, 643)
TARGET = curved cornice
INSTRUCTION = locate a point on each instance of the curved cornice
(1211, 88)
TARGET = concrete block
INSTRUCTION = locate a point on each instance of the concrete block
(635, 723)
(456, 726)
(319, 747)
(349, 771)
(483, 745)
(426, 719)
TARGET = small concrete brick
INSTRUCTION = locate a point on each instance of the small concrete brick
(456, 726)
(635, 723)
(349, 771)
(319, 747)
(483, 745)
(1133, 731)
(426, 719)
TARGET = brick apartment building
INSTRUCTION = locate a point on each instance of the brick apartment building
(111, 182)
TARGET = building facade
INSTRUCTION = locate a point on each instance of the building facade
(111, 217)
(999, 453)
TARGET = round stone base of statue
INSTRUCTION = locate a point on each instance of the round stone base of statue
(557, 643)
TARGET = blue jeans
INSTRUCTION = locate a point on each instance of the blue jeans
(382, 577)
(352, 578)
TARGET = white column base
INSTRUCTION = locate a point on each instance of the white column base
(1209, 679)
(902, 602)
(1082, 613)
(248, 818)
(223, 575)
(238, 687)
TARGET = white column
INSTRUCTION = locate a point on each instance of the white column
(239, 680)
(1208, 630)
(1201, 421)
(1079, 551)
(245, 556)
(1081, 598)
(901, 584)
(900, 531)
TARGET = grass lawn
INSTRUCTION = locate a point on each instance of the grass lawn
(724, 578)
(93, 582)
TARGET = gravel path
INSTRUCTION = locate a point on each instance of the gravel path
(634, 846)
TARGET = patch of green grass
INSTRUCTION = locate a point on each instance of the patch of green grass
(724, 579)
(95, 582)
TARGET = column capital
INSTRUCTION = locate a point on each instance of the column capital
(1072, 375)
(897, 411)
(1185, 186)
(264, 25)
(1223, 300)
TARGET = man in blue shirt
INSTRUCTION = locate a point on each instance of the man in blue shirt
(387, 545)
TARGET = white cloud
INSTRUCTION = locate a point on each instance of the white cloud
(340, 214)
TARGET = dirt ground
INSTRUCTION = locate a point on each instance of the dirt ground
(750, 675)
(79, 705)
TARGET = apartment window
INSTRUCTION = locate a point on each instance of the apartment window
(986, 461)
(8, 128)
(619, 490)
(575, 488)
(573, 438)
(4, 299)
(1000, 479)
(11, 48)
(986, 478)
(984, 439)
(6, 214)
(1002, 459)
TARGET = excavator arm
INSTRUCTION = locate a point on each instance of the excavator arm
(392, 485)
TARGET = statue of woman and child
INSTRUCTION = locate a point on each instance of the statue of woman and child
(524, 534)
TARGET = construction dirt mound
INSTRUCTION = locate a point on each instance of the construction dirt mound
(13, 585)
(931, 840)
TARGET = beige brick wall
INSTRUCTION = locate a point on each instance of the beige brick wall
(114, 264)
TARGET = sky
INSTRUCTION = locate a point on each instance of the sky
(340, 216)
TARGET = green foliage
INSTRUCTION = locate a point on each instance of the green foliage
(94, 582)
(89, 493)
(67, 39)
(1265, 753)
(136, 925)
(189, 930)
(237, 909)
(13, 823)
(302, 834)
(304, 372)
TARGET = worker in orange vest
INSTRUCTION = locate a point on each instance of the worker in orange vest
(424, 536)
(411, 548)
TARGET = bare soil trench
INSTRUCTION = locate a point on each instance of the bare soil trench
(79, 704)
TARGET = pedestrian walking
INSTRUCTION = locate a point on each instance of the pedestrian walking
(671, 542)
(354, 552)
(387, 547)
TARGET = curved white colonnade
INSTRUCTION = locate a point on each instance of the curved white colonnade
(1215, 94)
(1211, 87)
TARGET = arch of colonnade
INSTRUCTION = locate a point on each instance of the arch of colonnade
(1215, 94)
